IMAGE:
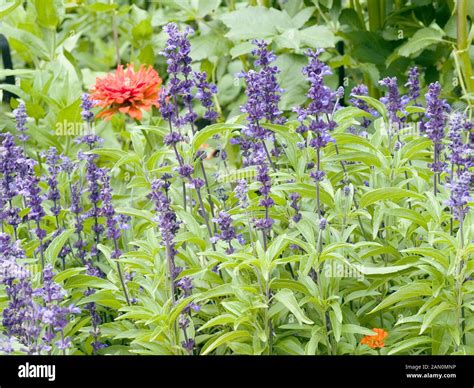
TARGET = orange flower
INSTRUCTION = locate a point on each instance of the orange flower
(375, 341)
(127, 91)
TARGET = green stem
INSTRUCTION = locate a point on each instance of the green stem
(463, 43)
(116, 38)
(205, 216)
(318, 167)
(269, 320)
(358, 8)
(460, 281)
(147, 138)
(375, 9)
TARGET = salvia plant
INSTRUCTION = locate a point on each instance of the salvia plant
(338, 225)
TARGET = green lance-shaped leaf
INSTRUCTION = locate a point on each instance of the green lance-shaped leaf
(409, 344)
(52, 252)
(225, 338)
(211, 130)
(286, 298)
(412, 290)
(387, 193)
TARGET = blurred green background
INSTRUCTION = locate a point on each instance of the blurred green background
(59, 47)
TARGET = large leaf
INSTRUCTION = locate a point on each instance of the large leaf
(307, 191)
(420, 40)
(225, 338)
(52, 252)
(436, 254)
(47, 12)
(287, 298)
(85, 281)
(382, 270)
(387, 193)
(408, 344)
(370, 47)
(431, 315)
(143, 214)
(318, 36)
(255, 22)
(7, 8)
(292, 80)
(211, 130)
(211, 45)
(408, 214)
(408, 291)
(34, 44)
(102, 297)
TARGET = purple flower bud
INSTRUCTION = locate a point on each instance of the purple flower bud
(317, 176)
(241, 193)
(460, 152)
(227, 230)
(460, 194)
(393, 101)
(173, 138)
(413, 84)
(185, 170)
(295, 197)
(205, 93)
(21, 118)
(323, 223)
(86, 105)
(362, 90)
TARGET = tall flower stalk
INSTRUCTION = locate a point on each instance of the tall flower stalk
(168, 225)
(264, 223)
(21, 119)
(93, 175)
(14, 168)
(395, 105)
(263, 95)
(34, 324)
(361, 90)
(112, 222)
(413, 85)
(34, 201)
(316, 117)
(53, 161)
(436, 113)
(180, 89)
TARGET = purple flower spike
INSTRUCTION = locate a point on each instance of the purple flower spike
(392, 101)
(436, 113)
(227, 234)
(86, 105)
(413, 84)
(205, 93)
(21, 118)
(166, 218)
(54, 167)
(295, 198)
(177, 56)
(108, 211)
(362, 90)
(241, 193)
(460, 194)
(322, 104)
(460, 152)
(263, 177)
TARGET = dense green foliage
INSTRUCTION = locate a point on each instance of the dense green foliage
(392, 255)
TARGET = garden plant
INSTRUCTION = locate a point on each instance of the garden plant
(266, 177)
